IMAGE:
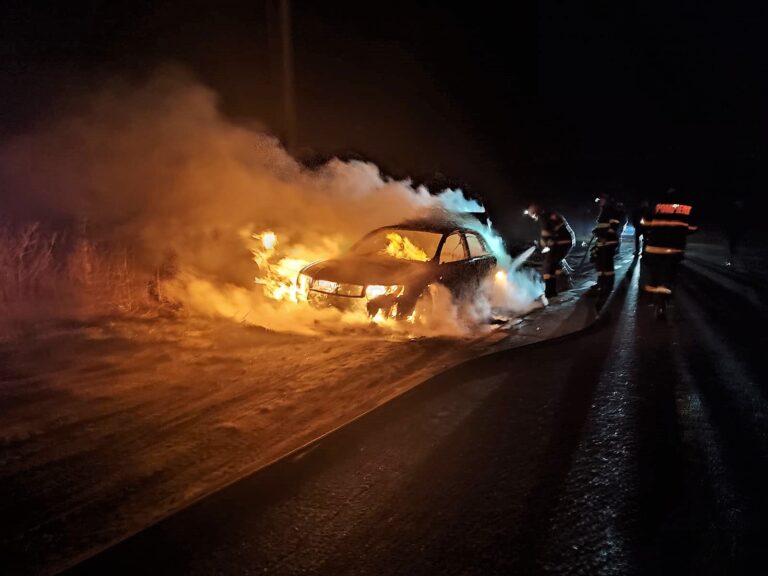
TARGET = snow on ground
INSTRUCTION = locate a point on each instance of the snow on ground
(110, 425)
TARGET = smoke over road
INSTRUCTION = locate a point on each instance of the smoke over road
(156, 168)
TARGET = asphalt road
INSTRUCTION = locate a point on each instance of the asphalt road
(636, 447)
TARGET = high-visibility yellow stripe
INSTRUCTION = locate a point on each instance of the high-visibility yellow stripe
(609, 273)
(563, 242)
(662, 250)
(546, 276)
(613, 221)
(657, 289)
(607, 242)
(668, 223)
(603, 225)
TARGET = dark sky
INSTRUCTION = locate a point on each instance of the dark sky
(553, 100)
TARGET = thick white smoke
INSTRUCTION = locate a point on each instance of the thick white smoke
(158, 168)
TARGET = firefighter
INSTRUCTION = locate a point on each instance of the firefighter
(606, 233)
(555, 242)
(667, 226)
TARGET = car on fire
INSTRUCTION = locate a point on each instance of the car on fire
(394, 268)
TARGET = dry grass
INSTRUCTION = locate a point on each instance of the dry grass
(72, 273)
(26, 261)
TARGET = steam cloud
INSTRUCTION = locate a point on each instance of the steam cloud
(158, 168)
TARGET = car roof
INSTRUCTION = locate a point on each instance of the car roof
(430, 225)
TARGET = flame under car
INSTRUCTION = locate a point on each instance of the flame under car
(390, 269)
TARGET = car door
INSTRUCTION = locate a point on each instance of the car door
(453, 261)
(481, 261)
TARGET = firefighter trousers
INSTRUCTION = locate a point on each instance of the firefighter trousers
(604, 266)
(552, 268)
(660, 272)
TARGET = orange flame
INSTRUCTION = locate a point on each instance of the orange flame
(400, 247)
(279, 279)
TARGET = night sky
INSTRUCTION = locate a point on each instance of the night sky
(554, 101)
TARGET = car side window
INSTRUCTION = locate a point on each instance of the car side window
(476, 247)
(453, 249)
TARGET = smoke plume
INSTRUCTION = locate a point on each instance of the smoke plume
(157, 168)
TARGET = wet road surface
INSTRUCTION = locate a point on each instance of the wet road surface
(635, 447)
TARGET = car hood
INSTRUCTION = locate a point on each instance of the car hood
(369, 270)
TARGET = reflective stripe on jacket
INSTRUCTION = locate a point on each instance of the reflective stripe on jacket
(667, 227)
(608, 223)
(555, 230)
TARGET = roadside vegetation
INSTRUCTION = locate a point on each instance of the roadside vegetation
(46, 273)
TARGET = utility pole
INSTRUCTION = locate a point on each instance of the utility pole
(289, 98)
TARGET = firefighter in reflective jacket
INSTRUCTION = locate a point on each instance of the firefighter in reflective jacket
(667, 225)
(555, 242)
(606, 233)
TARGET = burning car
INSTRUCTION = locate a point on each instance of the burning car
(392, 269)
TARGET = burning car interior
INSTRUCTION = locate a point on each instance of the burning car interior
(390, 269)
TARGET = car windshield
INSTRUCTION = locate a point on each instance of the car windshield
(415, 245)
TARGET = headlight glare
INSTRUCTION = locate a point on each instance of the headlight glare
(324, 286)
(376, 290)
(304, 281)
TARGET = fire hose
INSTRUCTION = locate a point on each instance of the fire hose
(586, 252)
